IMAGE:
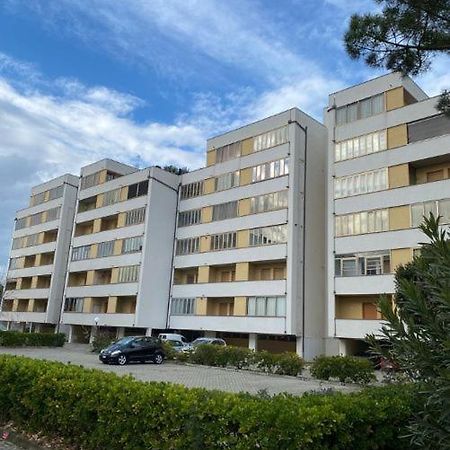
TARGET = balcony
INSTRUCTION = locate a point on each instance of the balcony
(373, 284)
(356, 329)
(36, 317)
(106, 320)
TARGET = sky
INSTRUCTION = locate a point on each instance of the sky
(148, 81)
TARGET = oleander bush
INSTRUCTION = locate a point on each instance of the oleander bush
(102, 340)
(344, 368)
(242, 358)
(92, 410)
(19, 339)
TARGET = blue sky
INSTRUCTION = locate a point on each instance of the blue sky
(147, 81)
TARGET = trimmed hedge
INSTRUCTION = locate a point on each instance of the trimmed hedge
(19, 339)
(97, 410)
(344, 368)
(242, 358)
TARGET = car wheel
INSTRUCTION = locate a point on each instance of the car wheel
(158, 359)
(122, 360)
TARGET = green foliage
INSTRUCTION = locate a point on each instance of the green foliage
(98, 410)
(344, 368)
(176, 170)
(102, 340)
(243, 358)
(417, 331)
(19, 339)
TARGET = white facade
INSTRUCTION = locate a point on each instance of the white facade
(38, 259)
(412, 162)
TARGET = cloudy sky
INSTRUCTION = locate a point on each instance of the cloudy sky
(147, 81)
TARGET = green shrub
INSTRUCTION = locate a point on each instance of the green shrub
(19, 339)
(207, 355)
(94, 410)
(289, 363)
(344, 368)
(102, 340)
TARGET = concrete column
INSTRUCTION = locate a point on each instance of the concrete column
(120, 332)
(148, 332)
(92, 335)
(253, 341)
(70, 334)
(299, 346)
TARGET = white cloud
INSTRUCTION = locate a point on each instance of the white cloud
(437, 78)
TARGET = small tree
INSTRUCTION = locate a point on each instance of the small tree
(176, 170)
(417, 331)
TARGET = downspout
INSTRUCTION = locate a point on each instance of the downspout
(305, 131)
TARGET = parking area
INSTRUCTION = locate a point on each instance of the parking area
(188, 375)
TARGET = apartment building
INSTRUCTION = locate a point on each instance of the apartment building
(37, 265)
(118, 276)
(388, 165)
(249, 251)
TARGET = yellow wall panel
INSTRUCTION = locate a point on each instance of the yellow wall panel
(395, 98)
(244, 207)
(87, 305)
(99, 200)
(203, 274)
(205, 243)
(124, 193)
(30, 305)
(90, 277)
(209, 186)
(399, 218)
(115, 275)
(397, 136)
(240, 306)
(97, 225)
(247, 147)
(207, 213)
(211, 158)
(243, 237)
(117, 247)
(121, 220)
(242, 271)
(200, 306)
(245, 176)
(112, 305)
(400, 256)
(398, 176)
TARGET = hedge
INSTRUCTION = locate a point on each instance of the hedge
(19, 339)
(92, 410)
(344, 368)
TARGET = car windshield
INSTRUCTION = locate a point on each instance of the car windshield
(201, 341)
(124, 341)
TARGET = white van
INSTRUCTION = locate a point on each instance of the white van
(172, 337)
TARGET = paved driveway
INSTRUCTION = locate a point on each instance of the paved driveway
(187, 375)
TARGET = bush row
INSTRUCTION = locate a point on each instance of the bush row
(96, 410)
(344, 368)
(19, 339)
(242, 358)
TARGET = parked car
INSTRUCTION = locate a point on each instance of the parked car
(206, 341)
(2, 327)
(133, 349)
(179, 346)
(172, 337)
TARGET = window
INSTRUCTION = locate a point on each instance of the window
(15, 263)
(223, 241)
(53, 214)
(35, 219)
(90, 180)
(56, 192)
(37, 199)
(18, 243)
(192, 190)
(128, 274)
(360, 110)
(228, 152)
(112, 175)
(105, 249)
(227, 181)
(191, 217)
(361, 183)
(437, 207)
(135, 216)
(370, 263)
(21, 223)
(225, 211)
(270, 139)
(362, 222)
(266, 306)
(187, 246)
(74, 304)
(132, 244)
(360, 146)
(111, 197)
(32, 239)
(80, 253)
(268, 235)
(269, 202)
(270, 170)
(428, 128)
(138, 189)
(183, 306)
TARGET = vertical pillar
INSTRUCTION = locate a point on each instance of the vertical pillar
(299, 346)
(70, 335)
(253, 341)
(120, 332)
(148, 332)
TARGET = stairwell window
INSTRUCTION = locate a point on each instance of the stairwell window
(21, 223)
(361, 146)
(111, 197)
(270, 139)
(225, 211)
(360, 110)
(74, 304)
(269, 202)
(128, 274)
(191, 217)
(268, 235)
(53, 214)
(271, 169)
(132, 244)
(138, 189)
(361, 183)
(227, 152)
(183, 306)
(80, 253)
(362, 222)
(56, 192)
(227, 181)
(90, 180)
(105, 249)
(223, 241)
(266, 306)
(192, 190)
(188, 246)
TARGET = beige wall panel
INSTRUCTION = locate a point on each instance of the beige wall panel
(395, 98)
(123, 193)
(203, 274)
(97, 225)
(209, 186)
(87, 305)
(242, 271)
(211, 158)
(247, 147)
(115, 275)
(117, 247)
(99, 200)
(240, 306)
(207, 213)
(399, 218)
(245, 176)
(121, 220)
(30, 305)
(205, 243)
(112, 305)
(90, 275)
(397, 136)
(243, 237)
(200, 306)
(244, 207)
(398, 176)
(400, 256)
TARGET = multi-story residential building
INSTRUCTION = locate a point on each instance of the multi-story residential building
(249, 263)
(38, 259)
(119, 271)
(388, 165)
